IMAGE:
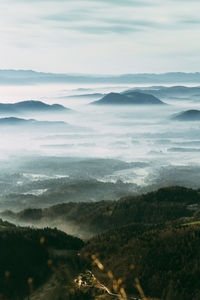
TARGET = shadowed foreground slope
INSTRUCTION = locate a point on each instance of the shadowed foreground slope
(149, 242)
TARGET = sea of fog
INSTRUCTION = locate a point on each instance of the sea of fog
(134, 148)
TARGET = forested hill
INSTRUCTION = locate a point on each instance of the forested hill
(149, 242)
(164, 260)
(26, 261)
(88, 219)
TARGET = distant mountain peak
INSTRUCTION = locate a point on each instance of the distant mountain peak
(30, 106)
(129, 98)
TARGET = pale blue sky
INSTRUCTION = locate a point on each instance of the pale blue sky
(100, 36)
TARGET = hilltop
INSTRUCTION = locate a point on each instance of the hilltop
(188, 115)
(30, 106)
(128, 98)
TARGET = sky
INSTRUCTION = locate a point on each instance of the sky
(100, 36)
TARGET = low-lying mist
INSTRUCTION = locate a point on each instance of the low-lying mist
(92, 153)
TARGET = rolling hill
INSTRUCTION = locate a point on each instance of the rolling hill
(128, 98)
(188, 115)
(30, 107)
(146, 245)
(166, 204)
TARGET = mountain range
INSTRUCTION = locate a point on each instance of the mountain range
(183, 92)
(32, 77)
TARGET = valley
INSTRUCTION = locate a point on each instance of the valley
(103, 199)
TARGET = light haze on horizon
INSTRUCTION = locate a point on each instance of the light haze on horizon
(100, 37)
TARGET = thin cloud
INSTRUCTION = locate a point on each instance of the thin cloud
(107, 2)
(98, 34)
(190, 22)
(104, 29)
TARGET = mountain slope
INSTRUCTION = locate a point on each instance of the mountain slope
(150, 241)
(87, 219)
(163, 261)
(27, 257)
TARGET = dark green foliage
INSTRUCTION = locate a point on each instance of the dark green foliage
(166, 260)
(24, 254)
(23, 258)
